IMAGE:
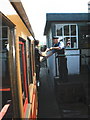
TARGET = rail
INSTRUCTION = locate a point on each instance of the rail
(72, 55)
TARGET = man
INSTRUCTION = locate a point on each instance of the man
(58, 48)
(38, 53)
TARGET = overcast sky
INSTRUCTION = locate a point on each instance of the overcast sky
(36, 11)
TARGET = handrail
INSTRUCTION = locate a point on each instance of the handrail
(82, 56)
(71, 55)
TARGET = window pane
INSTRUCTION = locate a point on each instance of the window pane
(59, 32)
(73, 42)
(67, 42)
(4, 44)
(84, 39)
(4, 32)
(29, 61)
(5, 70)
(66, 30)
(22, 72)
(73, 30)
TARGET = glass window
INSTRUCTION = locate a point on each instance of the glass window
(4, 44)
(69, 34)
(73, 42)
(67, 42)
(22, 72)
(33, 58)
(73, 30)
(30, 62)
(4, 32)
(59, 32)
(84, 39)
(5, 58)
(66, 30)
(4, 38)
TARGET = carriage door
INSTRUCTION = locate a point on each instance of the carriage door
(23, 74)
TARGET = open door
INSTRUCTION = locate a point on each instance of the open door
(23, 75)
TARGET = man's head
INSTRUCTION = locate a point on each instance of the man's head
(36, 42)
(55, 39)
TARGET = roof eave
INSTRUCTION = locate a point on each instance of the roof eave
(21, 12)
(50, 18)
(6, 20)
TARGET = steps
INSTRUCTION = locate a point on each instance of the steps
(70, 92)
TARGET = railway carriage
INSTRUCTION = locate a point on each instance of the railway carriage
(17, 66)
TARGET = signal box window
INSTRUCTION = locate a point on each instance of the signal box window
(69, 34)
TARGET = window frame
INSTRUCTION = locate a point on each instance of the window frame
(68, 36)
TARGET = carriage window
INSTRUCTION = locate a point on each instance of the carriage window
(32, 57)
(5, 32)
(5, 44)
(30, 62)
(22, 74)
(4, 38)
(4, 52)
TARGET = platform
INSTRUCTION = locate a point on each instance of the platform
(49, 107)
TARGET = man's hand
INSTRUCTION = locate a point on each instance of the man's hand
(47, 50)
(51, 48)
(44, 58)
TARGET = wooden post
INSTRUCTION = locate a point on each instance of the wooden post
(14, 67)
(19, 85)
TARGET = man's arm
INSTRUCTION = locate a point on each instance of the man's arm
(42, 54)
(51, 53)
(55, 48)
(45, 57)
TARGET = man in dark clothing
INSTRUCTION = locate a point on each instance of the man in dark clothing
(37, 61)
(58, 48)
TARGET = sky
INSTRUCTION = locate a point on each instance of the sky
(36, 11)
